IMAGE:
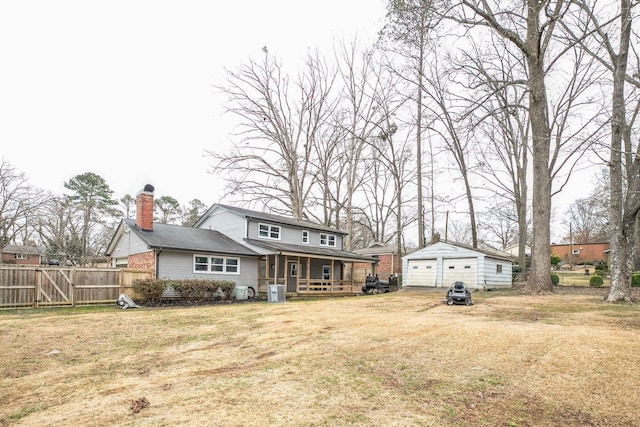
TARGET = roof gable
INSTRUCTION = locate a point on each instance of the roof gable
(455, 249)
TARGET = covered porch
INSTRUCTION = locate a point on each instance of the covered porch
(328, 272)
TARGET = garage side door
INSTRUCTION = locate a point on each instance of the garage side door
(460, 270)
(422, 272)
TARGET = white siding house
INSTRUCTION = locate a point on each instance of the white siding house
(440, 264)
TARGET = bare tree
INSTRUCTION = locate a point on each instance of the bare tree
(588, 219)
(280, 122)
(409, 26)
(501, 225)
(447, 123)
(529, 27)
(610, 26)
(19, 204)
(60, 229)
(497, 79)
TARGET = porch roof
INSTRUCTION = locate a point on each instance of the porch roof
(310, 251)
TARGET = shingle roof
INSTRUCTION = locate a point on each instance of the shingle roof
(18, 249)
(277, 219)
(310, 250)
(175, 237)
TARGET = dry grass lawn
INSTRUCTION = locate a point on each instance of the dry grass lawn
(399, 359)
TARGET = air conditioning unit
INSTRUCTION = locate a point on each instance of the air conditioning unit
(241, 292)
(276, 293)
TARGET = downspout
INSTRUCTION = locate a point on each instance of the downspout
(157, 262)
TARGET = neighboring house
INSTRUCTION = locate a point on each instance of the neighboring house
(303, 256)
(582, 253)
(21, 255)
(253, 249)
(387, 261)
(515, 250)
(441, 263)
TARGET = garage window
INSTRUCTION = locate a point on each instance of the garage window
(467, 266)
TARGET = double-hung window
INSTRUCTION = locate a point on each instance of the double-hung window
(305, 237)
(216, 264)
(327, 240)
(268, 231)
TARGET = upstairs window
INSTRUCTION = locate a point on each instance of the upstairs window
(267, 231)
(305, 237)
(328, 240)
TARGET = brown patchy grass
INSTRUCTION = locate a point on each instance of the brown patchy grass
(399, 359)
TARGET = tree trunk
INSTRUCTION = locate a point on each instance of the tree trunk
(539, 280)
(623, 211)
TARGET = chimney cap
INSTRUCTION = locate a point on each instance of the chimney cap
(149, 188)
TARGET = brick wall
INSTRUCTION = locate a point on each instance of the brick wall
(145, 260)
(586, 252)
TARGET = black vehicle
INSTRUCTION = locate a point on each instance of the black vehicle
(373, 285)
(458, 293)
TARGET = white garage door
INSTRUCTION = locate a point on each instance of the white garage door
(422, 272)
(460, 270)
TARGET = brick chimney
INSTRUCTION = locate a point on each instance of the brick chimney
(144, 208)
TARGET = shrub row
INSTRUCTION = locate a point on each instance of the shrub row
(192, 290)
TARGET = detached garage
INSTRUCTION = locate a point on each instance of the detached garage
(440, 264)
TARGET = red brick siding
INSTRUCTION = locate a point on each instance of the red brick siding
(145, 260)
(8, 258)
(588, 252)
(144, 210)
(388, 264)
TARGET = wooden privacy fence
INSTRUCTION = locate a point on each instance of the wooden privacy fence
(44, 286)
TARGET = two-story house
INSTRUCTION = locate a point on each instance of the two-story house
(253, 249)
(304, 256)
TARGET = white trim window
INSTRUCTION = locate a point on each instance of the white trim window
(21, 256)
(305, 237)
(216, 264)
(268, 231)
(326, 272)
(328, 240)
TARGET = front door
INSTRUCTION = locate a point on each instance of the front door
(292, 276)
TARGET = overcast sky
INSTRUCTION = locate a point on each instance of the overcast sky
(124, 89)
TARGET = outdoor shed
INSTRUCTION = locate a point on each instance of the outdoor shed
(442, 263)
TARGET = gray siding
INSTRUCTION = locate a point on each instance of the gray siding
(179, 265)
(230, 224)
(293, 235)
(238, 227)
(129, 244)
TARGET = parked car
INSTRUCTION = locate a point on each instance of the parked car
(459, 293)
